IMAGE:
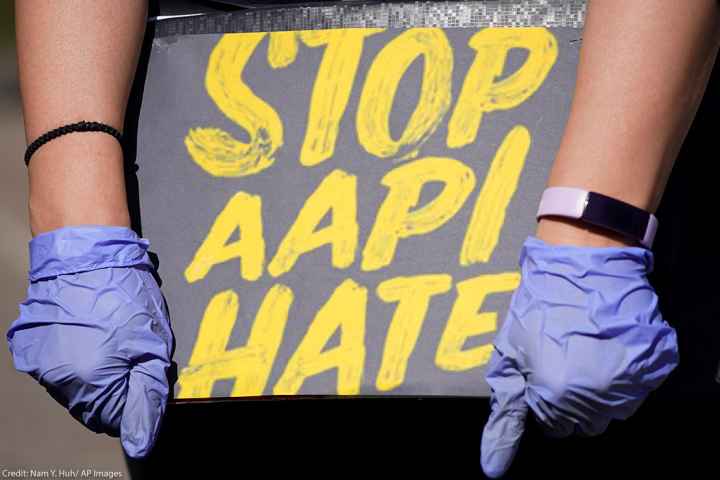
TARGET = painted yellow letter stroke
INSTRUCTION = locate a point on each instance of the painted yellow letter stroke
(412, 295)
(395, 220)
(215, 150)
(345, 310)
(501, 183)
(465, 321)
(381, 85)
(337, 193)
(249, 365)
(334, 82)
(480, 93)
(244, 212)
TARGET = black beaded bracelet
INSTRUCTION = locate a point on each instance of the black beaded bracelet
(81, 126)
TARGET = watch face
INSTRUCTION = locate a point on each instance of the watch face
(616, 215)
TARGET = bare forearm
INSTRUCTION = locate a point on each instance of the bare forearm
(644, 66)
(77, 59)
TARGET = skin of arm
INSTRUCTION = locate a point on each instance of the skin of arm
(644, 66)
(76, 61)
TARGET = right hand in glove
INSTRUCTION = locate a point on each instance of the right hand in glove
(94, 331)
(584, 342)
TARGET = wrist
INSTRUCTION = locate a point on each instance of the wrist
(569, 231)
(44, 220)
(77, 179)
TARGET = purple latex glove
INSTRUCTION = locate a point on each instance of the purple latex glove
(583, 343)
(94, 331)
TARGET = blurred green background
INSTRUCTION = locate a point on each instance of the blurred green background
(35, 431)
(6, 22)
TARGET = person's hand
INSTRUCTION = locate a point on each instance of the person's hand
(94, 331)
(583, 343)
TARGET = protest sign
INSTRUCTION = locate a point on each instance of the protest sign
(340, 210)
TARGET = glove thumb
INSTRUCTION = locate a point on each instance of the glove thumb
(144, 408)
(506, 423)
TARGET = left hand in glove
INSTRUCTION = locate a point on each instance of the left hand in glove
(95, 333)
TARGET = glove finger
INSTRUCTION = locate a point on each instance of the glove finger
(90, 384)
(551, 432)
(102, 411)
(553, 422)
(556, 423)
(506, 423)
(144, 407)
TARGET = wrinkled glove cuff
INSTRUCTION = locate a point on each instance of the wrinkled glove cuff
(73, 249)
(621, 261)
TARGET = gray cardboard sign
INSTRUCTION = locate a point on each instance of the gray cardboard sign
(341, 211)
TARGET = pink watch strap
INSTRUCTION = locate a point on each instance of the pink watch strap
(650, 232)
(563, 201)
(571, 202)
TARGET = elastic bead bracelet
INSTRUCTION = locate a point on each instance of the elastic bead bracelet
(81, 126)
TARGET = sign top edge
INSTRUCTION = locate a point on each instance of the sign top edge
(372, 14)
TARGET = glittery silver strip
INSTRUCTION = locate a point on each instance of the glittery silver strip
(453, 14)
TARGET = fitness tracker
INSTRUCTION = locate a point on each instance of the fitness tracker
(601, 210)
